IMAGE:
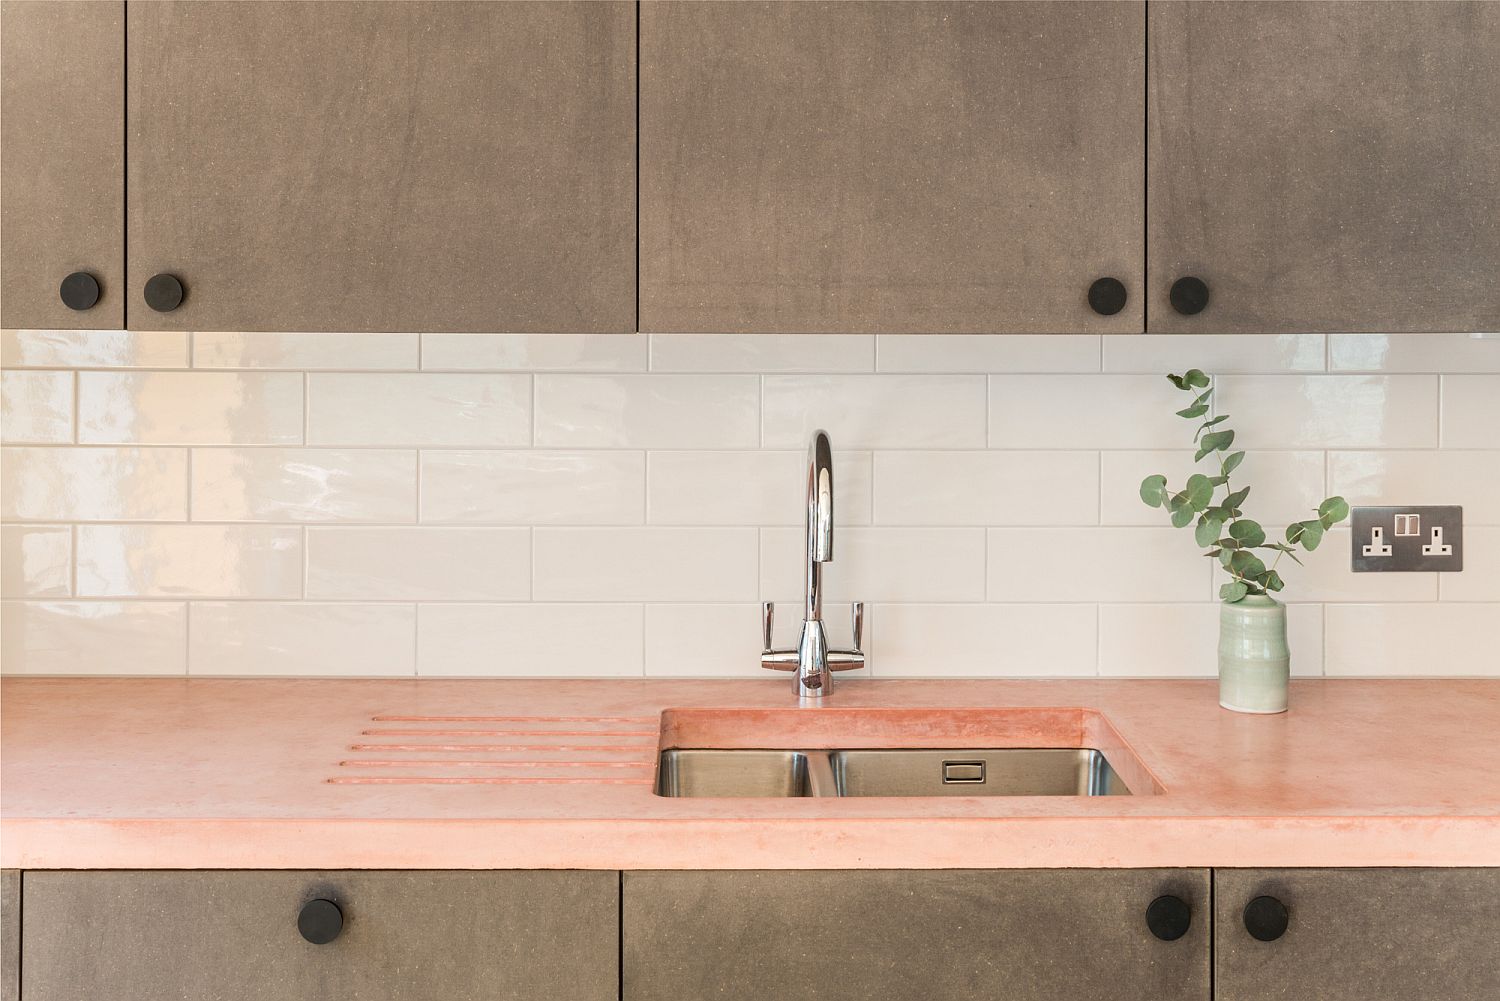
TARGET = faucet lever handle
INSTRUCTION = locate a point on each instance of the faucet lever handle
(767, 617)
(857, 619)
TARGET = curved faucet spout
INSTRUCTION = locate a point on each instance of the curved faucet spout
(819, 518)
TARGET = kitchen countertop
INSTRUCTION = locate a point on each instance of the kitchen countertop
(431, 774)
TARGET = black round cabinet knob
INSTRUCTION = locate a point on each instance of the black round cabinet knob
(1189, 295)
(79, 291)
(1169, 918)
(1107, 296)
(164, 292)
(1266, 919)
(320, 921)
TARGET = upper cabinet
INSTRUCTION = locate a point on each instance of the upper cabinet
(380, 166)
(907, 167)
(62, 156)
(1324, 167)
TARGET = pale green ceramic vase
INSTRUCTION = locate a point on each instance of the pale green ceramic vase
(1254, 661)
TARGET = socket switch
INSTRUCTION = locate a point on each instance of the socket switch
(1409, 538)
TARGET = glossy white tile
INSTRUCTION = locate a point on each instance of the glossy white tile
(875, 411)
(93, 484)
(1413, 353)
(1471, 411)
(984, 641)
(303, 639)
(762, 352)
(648, 411)
(1284, 486)
(93, 349)
(93, 637)
(750, 488)
(414, 564)
(1095, 564)
(189, 561)
(1446, 639)
(190, 408)
(535, 352)
(419, 409)
(1467, 478)
(1331, 411)
(878, 564)
(1159, 354)
(304, 351)
(1325, 575)
(1086, 412)
(986, 488)
(36, 561)
(987, 353)
(530, 640)
(304, 485)
(1480, 578)
(36, 407)
(705, 641)
(644, 564)
(1181, 641)
(533, 487)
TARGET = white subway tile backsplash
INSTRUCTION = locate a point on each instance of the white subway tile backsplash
(749, 488)
(987, 488)
(93, 637)
(1214, 353)
(36, 407)
(93, 484)
(407, 409)
(1325, 575)
(1284, 486)
(530, 641)
(875, 411)
(984, 641)
(647, 411)
(304, 351)
(705, 641)
(1181, 641)
(419, 564)
(36, 561)
(763, 353)
(533, 487)
(1095, 564)
(304, 485)
(190, 408)
(1441, 639)
(1480, 578)
(1467, 478)
(189, 561)
(1413, 353)
(1331, 411)
(535, 352)
(304, 638)
(93, 349)
(1471, 410)
(644, 564)
(1086, 412)
(878, 564)
(985, 353)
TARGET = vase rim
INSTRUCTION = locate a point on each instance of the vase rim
(1258, 600)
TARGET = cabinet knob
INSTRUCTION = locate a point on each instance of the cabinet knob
(320, 921)
(79, 291)
(164, 292)
(1266, 919)
(1169, 917)
(1189, 295)
(1107, 296)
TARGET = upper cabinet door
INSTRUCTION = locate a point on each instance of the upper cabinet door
(382, 166)
(62, 164)
(1324, 166)
(890, 167)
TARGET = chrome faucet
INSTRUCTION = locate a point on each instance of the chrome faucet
(812, 660)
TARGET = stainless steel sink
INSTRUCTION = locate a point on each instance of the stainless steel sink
(1011, 771)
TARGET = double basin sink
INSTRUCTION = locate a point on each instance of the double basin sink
(1011, 771)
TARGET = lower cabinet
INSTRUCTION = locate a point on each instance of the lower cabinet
(933, 935)
(396, 936)
(1357, 934)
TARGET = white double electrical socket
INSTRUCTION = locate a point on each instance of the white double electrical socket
(1408, 538)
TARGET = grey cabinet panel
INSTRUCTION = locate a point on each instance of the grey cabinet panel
(907, 167)
(408, 936)
(1361, 935)
(384, 166)
(10, 935)
(1022, 935)
(62, 160)
(1325, 166)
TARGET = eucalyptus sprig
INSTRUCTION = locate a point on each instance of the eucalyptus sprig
(1221, 526)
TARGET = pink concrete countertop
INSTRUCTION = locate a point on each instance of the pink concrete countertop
(201, 773)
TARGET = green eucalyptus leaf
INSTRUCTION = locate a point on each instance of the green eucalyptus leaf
(1234, 591)
(1207, 532)
(1248, 533)
(1246, 564)
(1154, 490)
(1271, 581)
(1196, 410)
(1194, 377)
(1225, 555)
(1237, 498)
(1182, 516)
(1307, 534)
(1199, 491)
(1232, 462)
(1213, 552)
(1332, 511)
(1215, 442)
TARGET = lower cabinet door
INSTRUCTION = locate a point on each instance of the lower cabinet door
(924, 935)
(1357, 934)
(389, 936)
